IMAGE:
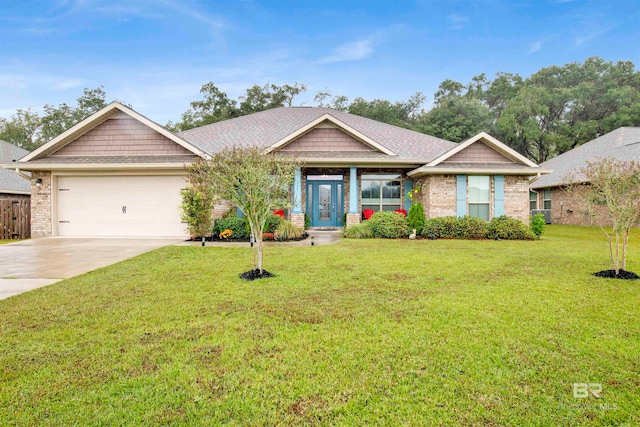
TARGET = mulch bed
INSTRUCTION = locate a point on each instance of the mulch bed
(622, 274)
(255, 274)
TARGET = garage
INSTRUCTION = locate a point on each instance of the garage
(120, 206)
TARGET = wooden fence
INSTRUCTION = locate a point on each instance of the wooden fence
(15, 219)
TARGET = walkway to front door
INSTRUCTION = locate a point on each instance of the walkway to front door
(325, 201)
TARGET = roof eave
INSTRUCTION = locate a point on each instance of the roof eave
(425, 170)
(99, 166)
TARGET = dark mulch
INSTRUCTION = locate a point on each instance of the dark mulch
(622, 274)
(255, 274)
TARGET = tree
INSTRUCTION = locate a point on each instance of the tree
(28, 130)
(198, 199)
(610, 190)
(58, 119)
(255, 182)
(21, 129)
(456, 119)
(269, 96)
(401, 113)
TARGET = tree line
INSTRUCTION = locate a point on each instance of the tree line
(550, 112)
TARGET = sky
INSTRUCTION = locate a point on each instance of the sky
(156, 54)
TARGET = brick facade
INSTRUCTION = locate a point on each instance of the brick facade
(438, 196)
(567, 208)
(41, 205)
(516, 197)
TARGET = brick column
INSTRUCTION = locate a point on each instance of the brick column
(41, 204)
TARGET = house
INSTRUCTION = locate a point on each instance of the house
(547, 190)
(117, 173)
(12, 185)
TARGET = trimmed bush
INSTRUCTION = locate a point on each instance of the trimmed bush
(307, 221)
(537, 224)
(472, 228)
(388, 225)
(288, 231)
(504, 227)
(440, 228)
(273, 221)
(237, 225)
(416, 218)
(359, 231)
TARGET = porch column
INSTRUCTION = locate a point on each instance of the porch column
(297, 191)
(353, 191)
(353, 217)
(296, 216)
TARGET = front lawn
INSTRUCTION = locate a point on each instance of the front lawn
(363, 332)
(5, 241)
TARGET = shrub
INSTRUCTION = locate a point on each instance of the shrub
(287, 231)
(416, 218)
(504, 227)
(273, 221)
(537, 224)
(440, 228)
(307, 221)
(359, 231)
(236, 225)
(468, 227)
(388, 225)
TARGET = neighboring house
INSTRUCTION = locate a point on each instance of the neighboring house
(118, 173)
(12, 185)
(547, 191)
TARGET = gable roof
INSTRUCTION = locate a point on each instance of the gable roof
(621, 144)
(98, 118)
(518, 163)
(277, 127)
(10, 181)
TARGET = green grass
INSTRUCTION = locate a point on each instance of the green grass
(5, 241)
(363, 332)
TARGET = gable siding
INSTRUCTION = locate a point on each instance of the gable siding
(121, 136)
(478, 152)
(326, 139)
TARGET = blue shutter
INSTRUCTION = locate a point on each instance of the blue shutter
(239, 213)
(461, 195)
(408, 186)
(498, 187)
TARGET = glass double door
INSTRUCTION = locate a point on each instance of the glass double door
(325, 203)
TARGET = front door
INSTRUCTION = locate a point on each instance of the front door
(325, 203)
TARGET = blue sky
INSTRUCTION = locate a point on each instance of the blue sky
(156, 54)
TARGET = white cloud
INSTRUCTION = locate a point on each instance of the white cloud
(534, 47)
(458, 21)
(580, 40)
(352, 51)
(65, 84)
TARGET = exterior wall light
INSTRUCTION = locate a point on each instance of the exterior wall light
(39, 182)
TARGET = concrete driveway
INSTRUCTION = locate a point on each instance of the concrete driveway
(30, 264)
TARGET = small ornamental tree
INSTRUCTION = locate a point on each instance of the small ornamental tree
(197, 200)
(255, 182)
(610, 190)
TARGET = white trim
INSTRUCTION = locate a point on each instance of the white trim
(98, 118)
(326, 116)
(101, 166)
(491, 141)
(424, 170)
(20, 192)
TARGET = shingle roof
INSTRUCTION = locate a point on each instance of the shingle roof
(10, 181)
(622, 144)
(271, 126)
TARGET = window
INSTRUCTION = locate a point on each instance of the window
(533, 200)
(381, 192)
(479, 188)
(547, 198)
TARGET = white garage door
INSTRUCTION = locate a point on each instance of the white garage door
(120, 206)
